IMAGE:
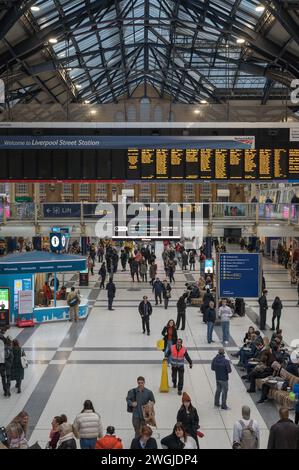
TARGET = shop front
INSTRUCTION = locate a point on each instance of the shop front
(23, 276)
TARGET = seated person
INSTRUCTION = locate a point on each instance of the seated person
(293, 368)
(255, 354)
(246, 341)
(260, 371)
(194, 294)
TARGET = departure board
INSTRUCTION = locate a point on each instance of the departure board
(265, 164)
(221, 164)
(192, 163)
(177, 163)
(294, 163)
(236, 164)
(135, 164)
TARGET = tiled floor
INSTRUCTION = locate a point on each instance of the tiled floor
(101, 357)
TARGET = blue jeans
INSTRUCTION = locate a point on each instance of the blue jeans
(222, 388)
(88, 443)
(168, 347)
(210, 331)
(225, 331)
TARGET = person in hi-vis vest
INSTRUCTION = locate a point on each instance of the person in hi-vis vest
(178, 355)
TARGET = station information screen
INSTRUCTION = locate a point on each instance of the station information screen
(213, 164)
(174, 164)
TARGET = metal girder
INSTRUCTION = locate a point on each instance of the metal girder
(15, 12)
(286, 20)
(267, 89)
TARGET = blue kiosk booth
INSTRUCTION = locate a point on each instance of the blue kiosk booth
(17, 276)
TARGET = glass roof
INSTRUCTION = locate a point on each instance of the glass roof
(187, 49)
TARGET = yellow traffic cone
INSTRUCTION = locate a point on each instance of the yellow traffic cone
(164, 387)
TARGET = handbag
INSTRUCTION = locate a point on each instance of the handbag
(24, 360)
(148, 412)
(160, 344)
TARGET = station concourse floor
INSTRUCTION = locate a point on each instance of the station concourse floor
(100, 358)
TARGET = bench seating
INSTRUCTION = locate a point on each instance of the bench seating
(280, 396)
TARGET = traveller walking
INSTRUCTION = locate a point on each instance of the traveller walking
(184, 260)
(181, 312)
(143, 270)
(210, 319)
(103, 274)
(263, 309)
(153, 272)
(284, 434)
(123, 259)
(192, 260)
(158, 289)
(109, 441)
(277, 308)
(166, 293)
(246, 434)
(136, 399)
(88, 426)
(111, 290)
(178, 355)
(170, 337)
(222, 369)
(17, 369)
(145, 440)
(188, 416)
(145, 310)
(73, 301)
(225, 315)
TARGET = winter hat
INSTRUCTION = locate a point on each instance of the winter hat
(185, 397)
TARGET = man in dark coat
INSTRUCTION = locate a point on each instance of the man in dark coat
(157, 289)
(222, 368)
(284, 434)
(181, 310)
(111, 289)
(210, 319)
(263, 309)
(145, 310)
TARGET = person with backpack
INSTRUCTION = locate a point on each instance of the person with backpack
(136, 399)
(246, 432)
(73, 301)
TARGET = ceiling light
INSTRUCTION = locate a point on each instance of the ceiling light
(78, 86)
(34, 8)
(240, 41)
(93, 111)
(53, 41)
(260, 8)
(87, 101)
(69, 69)
(196, 111)
(203, 102)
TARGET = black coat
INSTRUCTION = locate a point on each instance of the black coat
(142, 311)
(181, 305)
(111, 289)
(17, 371)
(210, 315)
(263, 302)
(172, 442)
(166, 291)
(277, 308)
(150, 444)
(284, 435)
(174, 336)
(190, 421)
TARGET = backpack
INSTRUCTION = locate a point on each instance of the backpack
(74, 302)
(132, 392)
(248, 438)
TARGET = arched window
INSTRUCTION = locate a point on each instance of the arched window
(120, 116)
(132, 115)
(145, 109)
(158, 114)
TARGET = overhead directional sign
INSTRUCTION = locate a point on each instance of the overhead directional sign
(61, 210)
(239, 275)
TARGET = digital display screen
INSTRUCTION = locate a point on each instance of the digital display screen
(4, 298)
(135, 164)
(209, 266)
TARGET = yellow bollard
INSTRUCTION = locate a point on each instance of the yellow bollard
(164, 387)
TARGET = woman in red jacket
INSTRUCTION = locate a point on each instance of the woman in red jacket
(110, 441)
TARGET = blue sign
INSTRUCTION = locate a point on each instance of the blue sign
(239, 275)
(61, 210)
(121, 142)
